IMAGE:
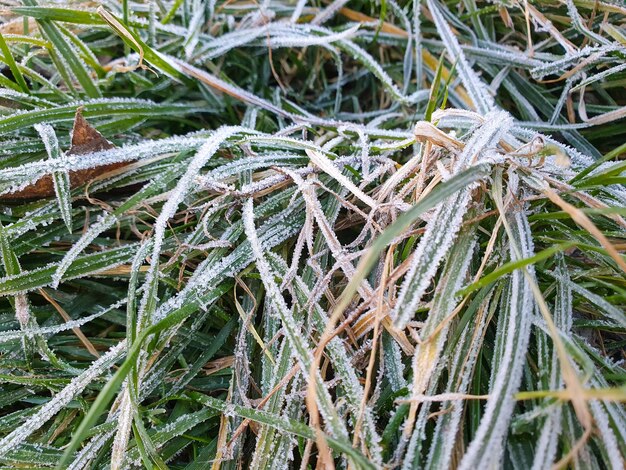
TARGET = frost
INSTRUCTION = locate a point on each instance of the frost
(124, 422)
(61, 399)
(90, 451)
(438, 238)
(509, 357)
(6, 336)
(292, 330)
(183, 186)
(475, 87)
(229, 411)
(446, 221)
(328, 12)
(19, 177)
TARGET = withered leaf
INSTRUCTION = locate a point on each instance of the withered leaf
(85, 139)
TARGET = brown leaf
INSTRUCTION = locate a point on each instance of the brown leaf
(85, 139)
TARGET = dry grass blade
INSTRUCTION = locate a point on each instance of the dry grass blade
(312, 235)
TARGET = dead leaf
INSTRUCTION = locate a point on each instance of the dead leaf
(85, 139)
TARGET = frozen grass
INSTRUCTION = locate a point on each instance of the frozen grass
(329, 234)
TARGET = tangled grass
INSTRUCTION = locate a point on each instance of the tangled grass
(312, 234)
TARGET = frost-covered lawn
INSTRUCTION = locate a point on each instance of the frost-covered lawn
(297, 234)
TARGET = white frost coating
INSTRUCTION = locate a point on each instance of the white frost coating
(548, 440)
(28, 173)
(124, 422)
(297, 11)
(614, 313)
(292, 330)
(61, 179)
(579, 160)
(428, 360)
(19, 96)
(232, 40)
(329, 167)
(557, 67)
(90, 451)
(514, 324)
(607, 434)
(495, 125)
(286, 40)
(195, 25)
(459, 381)
(477, 90)
(434, 245)
(51, 330)
(447, 219)
(184, 185)
(328, 12)
(49, 138)
(546, 448)
(61, 399)
(103, 222)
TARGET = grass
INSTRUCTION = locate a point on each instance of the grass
(312, 234)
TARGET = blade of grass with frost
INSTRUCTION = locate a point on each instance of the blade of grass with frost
(435, 330)
(614, 423)
(12, 335)
(339, 359)
(127, 405)
(89, 452)
(161, 435)
(446, 221)
(14, 178)
(101, 108)
(147, 450)
(612, 312)
(509, 353)
(439, 237)
(546, 447)
(183, 186)
(61, 179)
(606, 434)
(477, 90)
(122, 432)
(107, 220)
(31, 455)
(87, 265)
(268, 435)
(20, 301)
(511, 266)
(62, 398)
(283, 449)
(465, 352)
(284, 425)
(292, 330)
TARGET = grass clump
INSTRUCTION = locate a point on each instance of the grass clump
(312, 234)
